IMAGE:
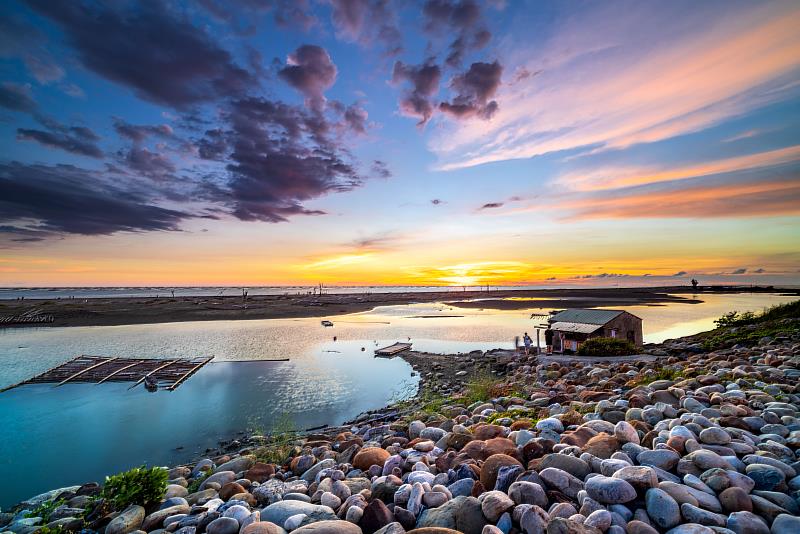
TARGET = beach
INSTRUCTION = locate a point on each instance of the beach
(164, 308)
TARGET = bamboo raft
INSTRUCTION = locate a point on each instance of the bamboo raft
(167, 374)
(10, 320)
(391, 350)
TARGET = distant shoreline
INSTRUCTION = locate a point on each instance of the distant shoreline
(165, 309)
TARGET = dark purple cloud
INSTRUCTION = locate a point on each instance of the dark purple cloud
(368, 22)
(462, 17)
(380, 169)
(213, 145)
(278, 156)
(139, 132)
(739, 271)
(16, 97)
(424, 80)
(75, 139)
(161, 56)
(474, 88)
(148, 163)
(437, 201)
(492, 205)
(310, 70)
(68, 199)
(356, 118)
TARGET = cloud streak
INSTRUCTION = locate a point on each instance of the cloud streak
(612, 89)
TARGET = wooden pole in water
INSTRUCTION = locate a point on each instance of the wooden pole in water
(134, 364)
(79, 373)
(188, 374)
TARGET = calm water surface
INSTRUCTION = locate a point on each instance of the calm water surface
(81, 432)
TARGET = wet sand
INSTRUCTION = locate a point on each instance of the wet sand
(120, 311)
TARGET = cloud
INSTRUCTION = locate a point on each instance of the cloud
(138, 133)
(355, 117)
(747, 134)
(380, 169)
(20, 39)
(437, 201)
(64, 199)
(601, 177)
(680, 273)
(161, 56)
(367, 22)
(769, 197)
(424, 80)
(474, 88)
(605, 85)
(462, 17)
(148, 163)
(16, 97)
(310, 70)
(759, 271)
(75, 139)
(380, 241)
(281, 156)
(492, 205)
(739, 271)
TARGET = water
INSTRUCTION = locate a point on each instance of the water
(76, 433)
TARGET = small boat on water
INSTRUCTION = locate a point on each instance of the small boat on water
(150, 384)
(327, 323)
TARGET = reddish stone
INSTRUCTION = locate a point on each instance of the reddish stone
(260, 472)
(492, 466)
(484, 432)
(369, 457)
(602, 446)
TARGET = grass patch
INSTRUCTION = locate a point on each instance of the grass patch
(280, 442)
(606, 346)
(139, 485)
(45, 510)
(532, 415)
(748, 328)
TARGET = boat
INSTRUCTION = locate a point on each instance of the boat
(150, 384)
(327, 323)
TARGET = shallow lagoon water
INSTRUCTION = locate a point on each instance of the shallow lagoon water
(81, 432)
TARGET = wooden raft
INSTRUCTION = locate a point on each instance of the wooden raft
(168, 374)
(391, 350)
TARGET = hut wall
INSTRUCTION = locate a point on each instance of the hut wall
(627, 326)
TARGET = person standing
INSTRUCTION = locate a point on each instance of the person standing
(526, 339)
(548, 341)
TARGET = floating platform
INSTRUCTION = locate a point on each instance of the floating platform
(12, 320)
(166, 374)
(391, 350)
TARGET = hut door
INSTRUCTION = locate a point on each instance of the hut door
(557, 342)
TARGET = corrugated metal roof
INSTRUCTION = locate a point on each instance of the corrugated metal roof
(599, 317)
(580, 328)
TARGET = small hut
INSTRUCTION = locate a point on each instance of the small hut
(573, 327)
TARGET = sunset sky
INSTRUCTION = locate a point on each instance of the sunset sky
(439, 142)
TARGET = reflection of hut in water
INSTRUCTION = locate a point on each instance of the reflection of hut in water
(573, 327)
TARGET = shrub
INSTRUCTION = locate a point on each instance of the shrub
(606, 346)
(140, 486)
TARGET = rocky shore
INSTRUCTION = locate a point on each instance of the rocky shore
(685, 441)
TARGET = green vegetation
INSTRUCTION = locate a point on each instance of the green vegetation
(790, 310)
(194, 485)
(748, 328)
(280, 442)
(140, 486)
(529, 415)
(45, 510)
(606, 346)
(51, 530)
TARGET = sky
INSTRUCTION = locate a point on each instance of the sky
(374, 142)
